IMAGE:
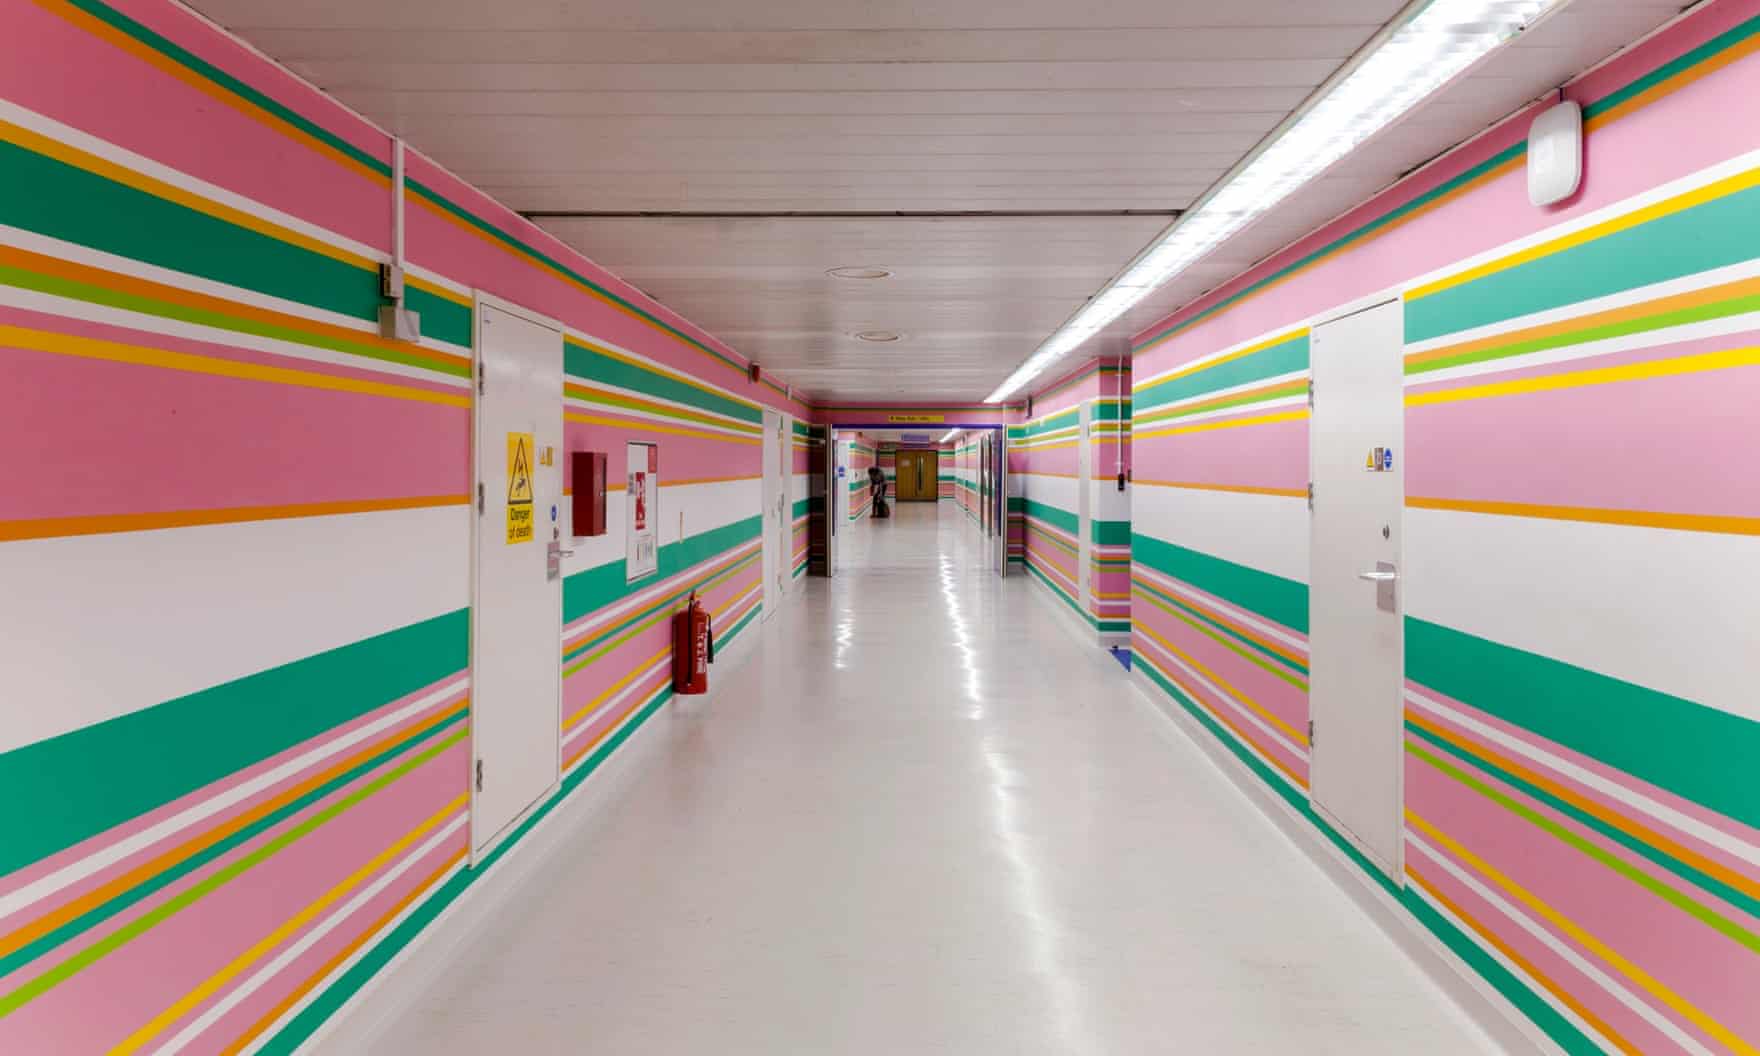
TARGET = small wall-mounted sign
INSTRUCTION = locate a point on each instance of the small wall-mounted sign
(916, 419)
(1379, 460)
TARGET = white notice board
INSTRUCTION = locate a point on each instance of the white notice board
(642, 511)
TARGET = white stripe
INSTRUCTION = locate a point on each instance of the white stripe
(635, 686)
(751, 428)
(167, 611)
(1140, 641)
(578, 403)
(1625, 997)
(704, 507)
(1510, 966)
(1268, 533)
(1212, 394)
(1681, 822)
(86, 311)
(1212, 602)
(1673, 613)
(1270, 339)
(648, 594)
(311, 938)
(1144, 430)
(600, 344)
(74, 872)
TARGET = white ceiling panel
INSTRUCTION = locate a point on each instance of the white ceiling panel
(591, 113)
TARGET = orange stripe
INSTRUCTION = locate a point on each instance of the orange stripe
(97, 896)
(60, 527)
(72, 271)
(293, 996)
(1589, 806)
(1685, 522)
(1703, 68)
(1243, 489)
(1525, 965)
(165, 64)
(1265, 753)
(1232, 624)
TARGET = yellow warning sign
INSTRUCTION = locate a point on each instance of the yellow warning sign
(519, 487)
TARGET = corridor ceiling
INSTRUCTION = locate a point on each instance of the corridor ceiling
(1002, 159)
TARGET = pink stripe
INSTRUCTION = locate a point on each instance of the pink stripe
(681, 457)
(203, 442)
(1685, 955)
(86, 848)
(1264, 456)
(1149, 650)
(1217, 607)
(149, 973)
(1638, 445)
(1619, 778)
(120, 98)
(1586, 991)
(1289, 703)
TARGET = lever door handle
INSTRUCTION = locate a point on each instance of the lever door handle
(559, 552)
(1378, 577)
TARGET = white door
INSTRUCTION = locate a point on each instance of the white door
(516, 609)
(1084, 497)
(771, 500)
(1355, 599)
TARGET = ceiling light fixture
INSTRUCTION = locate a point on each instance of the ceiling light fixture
(859, 272)
(951, 433)
(1429, 44)
(877, 336)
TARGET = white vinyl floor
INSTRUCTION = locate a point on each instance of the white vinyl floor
(922, 817)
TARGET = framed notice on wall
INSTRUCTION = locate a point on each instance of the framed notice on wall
(642, 511)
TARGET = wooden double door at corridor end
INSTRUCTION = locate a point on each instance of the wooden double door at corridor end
(917, 475)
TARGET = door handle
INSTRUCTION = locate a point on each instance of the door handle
(1378, 577)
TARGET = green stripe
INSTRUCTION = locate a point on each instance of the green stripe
(52, 198)
(1712, 235)
(1674, 68)
(1658, 321)
(1294, 388)
(152, 918)
(1462, 945)
(1110, 533)
(92, 293)
(1255, 655)
(111, 771)
(1054, 516)
(1734, 896)
(1668, 741)
(1285, 357)
(593, 589)
(587, 364)
(585, 652)
(290, 1037)
(1062, 595)
(1282, 601)
(1048, 424)
(1200, 614)
(152, 885)
(1717, 922)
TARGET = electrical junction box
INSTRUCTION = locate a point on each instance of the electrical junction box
(1555, 154)
(588, 506)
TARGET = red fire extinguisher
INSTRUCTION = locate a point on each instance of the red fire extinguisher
(693, 648)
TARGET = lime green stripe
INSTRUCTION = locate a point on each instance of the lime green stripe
(1285, 357)
(1623, 328)
(1735, 897)
(589, 364)
(1227, 642)
(88, 956)
(1200, 614)
(636, 405)
(1294, 388)
(645, 618)
(92, 293)
(1282, 601)
(1723, 925)
(592, 589)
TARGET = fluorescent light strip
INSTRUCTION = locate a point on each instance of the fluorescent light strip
(1434, 41)
(951, 433)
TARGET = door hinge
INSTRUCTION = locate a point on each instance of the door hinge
(1310, 496)
(1311, 388)
(480, 498)
(480, 770)
(483, 379)
(1310, 744)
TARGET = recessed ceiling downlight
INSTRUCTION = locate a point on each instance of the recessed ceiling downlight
(877, 336)
(860, 272)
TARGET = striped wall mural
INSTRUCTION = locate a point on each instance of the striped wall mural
(805, 437)
(1582, 544)
(1044, 459)
(862, 457)
(238, 722)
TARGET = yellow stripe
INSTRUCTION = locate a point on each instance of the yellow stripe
(1626, 968)
(79, 159)
(649, 427)
(1678, 203)
(460, 299)
(1296, 738)
(1684, 522)
(263, 946)
(597, 702)
(146, 356)
(1228, 423)
(100, 524)
(1242, 489)
(1196, 368)
(654, 368)
(1656, 368)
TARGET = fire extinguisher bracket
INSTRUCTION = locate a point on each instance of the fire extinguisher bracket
(693, 648)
